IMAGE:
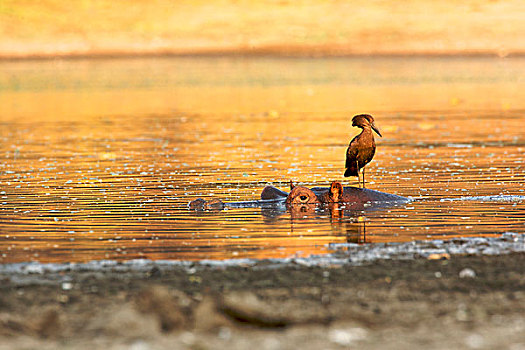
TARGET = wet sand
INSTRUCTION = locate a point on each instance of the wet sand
(460, 302)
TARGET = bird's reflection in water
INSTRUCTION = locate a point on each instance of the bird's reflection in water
(356, 232)
(350, 223)
(345, 219)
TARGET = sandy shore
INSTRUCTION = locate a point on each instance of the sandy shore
(460, 302)
(53, 28)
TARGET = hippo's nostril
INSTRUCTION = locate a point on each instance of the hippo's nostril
(303, 198)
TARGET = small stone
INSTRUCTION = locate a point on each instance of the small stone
(67, 285)
(474, 341)
(207, 317)
(139, 345)
(224, 333)
(467, 273)
(123, 321)
(155, 272)
(188, 338)
(347, 337)
(462, 313)
(34, 269)
(249, 308)
(63, 298)
(438, 256)
(168, 307)
(49, 325)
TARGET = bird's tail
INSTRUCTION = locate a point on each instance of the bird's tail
(352, 171)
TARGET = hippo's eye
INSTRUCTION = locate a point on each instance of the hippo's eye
(303, 197)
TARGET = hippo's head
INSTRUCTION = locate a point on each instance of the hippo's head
(301, 195)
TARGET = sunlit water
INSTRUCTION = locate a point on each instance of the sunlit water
(99, 158)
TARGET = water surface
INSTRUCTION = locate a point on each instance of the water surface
(99, 158)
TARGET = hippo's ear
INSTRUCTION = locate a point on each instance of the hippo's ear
(336, 191)
(291, 185)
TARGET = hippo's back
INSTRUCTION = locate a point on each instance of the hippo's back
(354, 194)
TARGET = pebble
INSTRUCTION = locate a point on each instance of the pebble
(188, 338)
(347, 337)
(139, 345)
(467, 273)
(34, 269)
(225, 333)
(474, 341)
(67, 285)
(438, 256)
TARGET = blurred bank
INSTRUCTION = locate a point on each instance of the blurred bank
(51, 28)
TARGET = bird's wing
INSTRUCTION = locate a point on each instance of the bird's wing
(351, 155)
(351, 158)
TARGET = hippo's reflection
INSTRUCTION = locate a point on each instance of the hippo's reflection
(345, 207)
(344, 221)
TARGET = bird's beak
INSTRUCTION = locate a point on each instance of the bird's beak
(376, 129)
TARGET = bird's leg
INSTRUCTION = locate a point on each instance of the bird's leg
(358, 179)
(364, 177)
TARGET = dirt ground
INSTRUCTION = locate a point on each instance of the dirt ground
(52, 28)
(465, 302)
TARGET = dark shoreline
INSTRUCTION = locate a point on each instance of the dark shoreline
(249, 53)
(459, 301)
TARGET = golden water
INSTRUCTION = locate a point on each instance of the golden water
(99, 158)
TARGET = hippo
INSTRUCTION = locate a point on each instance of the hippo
(351, 197)
(344, 207)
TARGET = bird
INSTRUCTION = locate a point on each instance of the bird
(362, 148)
